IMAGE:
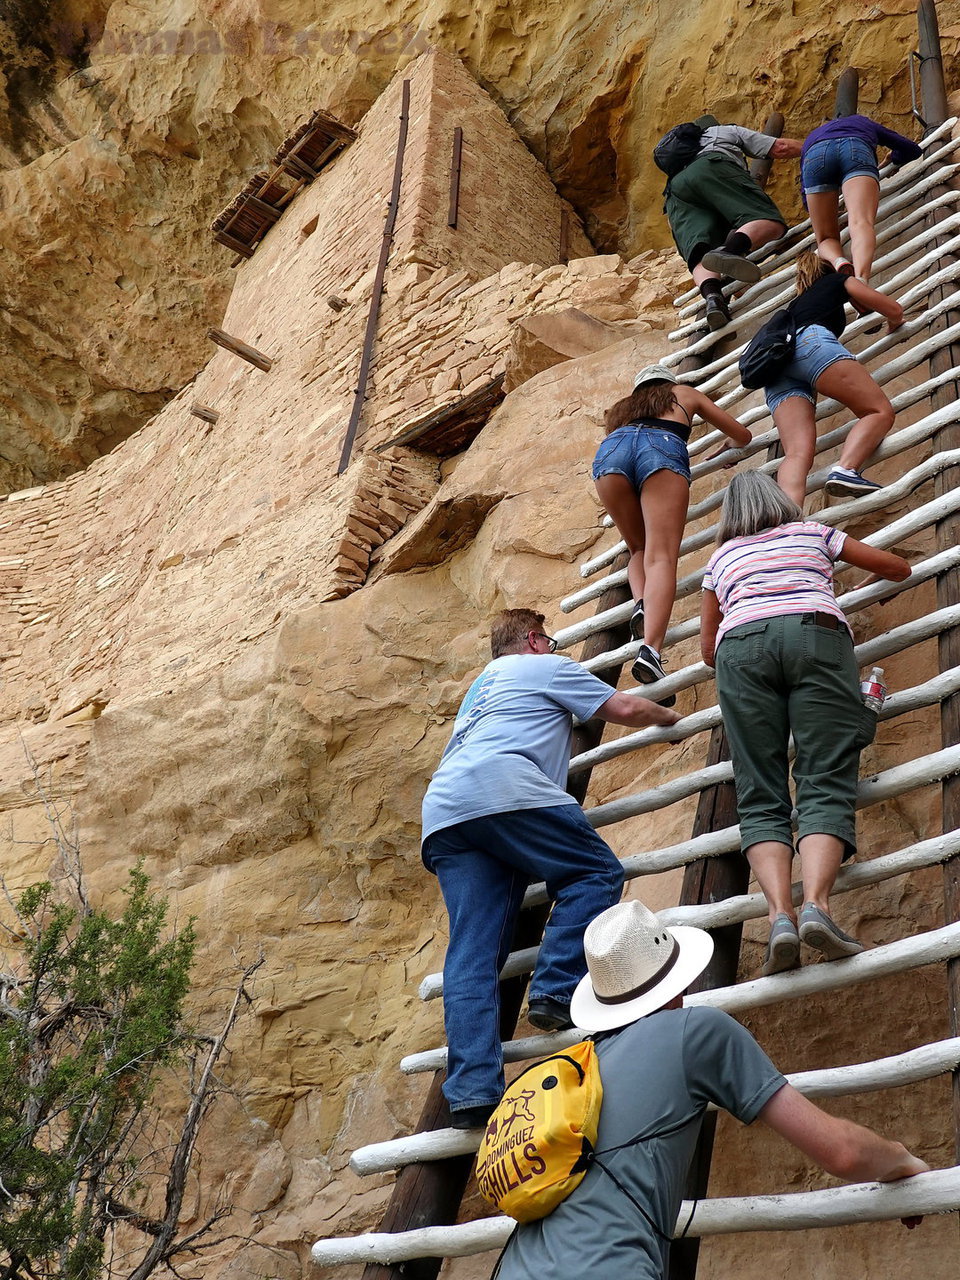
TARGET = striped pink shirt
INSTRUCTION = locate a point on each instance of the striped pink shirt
(787, 569)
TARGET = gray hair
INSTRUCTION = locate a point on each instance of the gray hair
(754, 502)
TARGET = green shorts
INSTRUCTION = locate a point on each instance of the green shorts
(710, 198)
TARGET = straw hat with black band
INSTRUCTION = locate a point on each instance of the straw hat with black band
(635, 966)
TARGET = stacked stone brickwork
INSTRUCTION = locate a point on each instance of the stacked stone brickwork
(210, 507)
(389, 490)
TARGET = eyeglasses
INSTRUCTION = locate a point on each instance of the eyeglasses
(549, 639)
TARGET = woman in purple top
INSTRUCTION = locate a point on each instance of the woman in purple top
(842, 155)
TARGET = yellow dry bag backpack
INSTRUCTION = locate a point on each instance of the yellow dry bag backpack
(540, 1140)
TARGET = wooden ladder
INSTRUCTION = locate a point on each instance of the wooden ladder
(918, 262)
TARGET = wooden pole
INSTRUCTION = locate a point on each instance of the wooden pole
(456, 159)
(760, 169)
(373, 316)
(238, 246)
(934, 102)
(848, 91)
(933, 89)
(710, 880)
(204, 412)
(564, 249)
(241, 349)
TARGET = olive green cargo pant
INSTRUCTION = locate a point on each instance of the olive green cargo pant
(783, 675)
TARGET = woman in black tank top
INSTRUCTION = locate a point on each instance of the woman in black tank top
(822, 365)
(642, 474)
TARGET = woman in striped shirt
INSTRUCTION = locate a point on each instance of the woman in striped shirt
(785, 664)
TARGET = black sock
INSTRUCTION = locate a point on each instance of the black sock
(711, 288)
(738, 242)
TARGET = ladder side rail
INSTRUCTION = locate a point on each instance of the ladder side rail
(934, 103)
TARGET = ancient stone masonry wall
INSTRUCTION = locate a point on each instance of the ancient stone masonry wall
(147, 533)
(142, 535)
(130, 125)
(508, 208)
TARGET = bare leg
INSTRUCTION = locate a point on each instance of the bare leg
(623, 506)
(848, 382)
(762, 230)
(700, 273)
(820, 859)
(797, 428)
(861, 196)
(824, 210)
(770, 861)
(663, 499)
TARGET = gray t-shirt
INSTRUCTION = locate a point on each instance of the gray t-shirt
(731, 140)
(658, 1076)
(511, 739)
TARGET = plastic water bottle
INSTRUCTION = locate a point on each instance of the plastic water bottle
(873, 690)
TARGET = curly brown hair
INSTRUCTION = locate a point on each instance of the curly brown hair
(651, 400)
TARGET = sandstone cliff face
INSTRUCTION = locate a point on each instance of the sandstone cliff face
(176, 681)
(130, 125)
(272, 781)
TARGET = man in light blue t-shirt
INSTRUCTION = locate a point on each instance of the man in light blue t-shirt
(496, 817)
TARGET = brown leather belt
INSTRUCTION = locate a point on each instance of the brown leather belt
(828, 620)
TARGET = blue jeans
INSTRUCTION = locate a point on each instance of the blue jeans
(828, 164)
(484, 865)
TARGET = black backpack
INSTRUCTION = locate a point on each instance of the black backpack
(768, 351)
(678, 148)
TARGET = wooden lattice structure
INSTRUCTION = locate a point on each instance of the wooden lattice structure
(250, 215)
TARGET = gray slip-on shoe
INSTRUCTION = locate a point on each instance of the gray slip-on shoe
(783, 949)
(818, 930)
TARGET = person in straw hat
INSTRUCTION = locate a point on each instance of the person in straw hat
(662, 1065)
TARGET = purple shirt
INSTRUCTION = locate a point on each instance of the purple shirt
(867, 130)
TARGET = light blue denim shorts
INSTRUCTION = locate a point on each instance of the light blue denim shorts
(828, 164)
(637, 452)
(817, 349)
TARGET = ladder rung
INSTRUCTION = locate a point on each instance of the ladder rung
(935, 1192)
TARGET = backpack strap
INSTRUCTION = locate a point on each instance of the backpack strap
(500, 1256)
(634, 1141)
(645, 1137)
(633, 1200)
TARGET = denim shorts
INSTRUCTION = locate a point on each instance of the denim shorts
(817, 349)
(828, 164)
(637, 452)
